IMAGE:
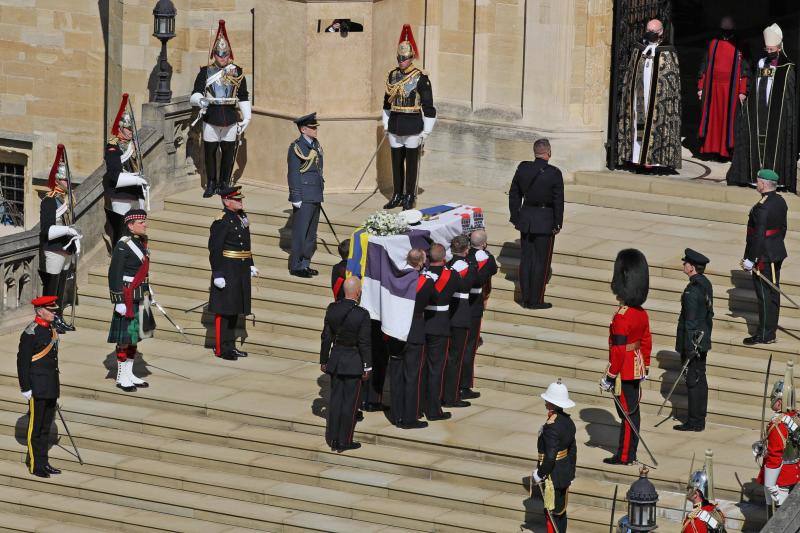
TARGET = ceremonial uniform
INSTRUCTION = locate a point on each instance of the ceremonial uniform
(346, 356)
(781, 458)
(437, 336)
(37, 370)
(485, 268)
(218, 91)
(306, 186)
(408, 119)
(338, 275)
(704, 518)
(460, 321)
(232, 266)
(766, 230)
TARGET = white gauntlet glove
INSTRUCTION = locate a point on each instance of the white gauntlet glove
(27, 394)
(219, 283)
(747, 265)
(253, 271)
(536, 477)
(297, 204)
(129, 179)
(120, 308)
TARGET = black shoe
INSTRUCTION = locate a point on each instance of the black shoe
(60, 325)
(408, 201)
(614, 460)
(414, 424)
(360, 416)
(351, 446)
(51, 470)
(228, 355)
(40, 472)
(544, 305)
(313, 271)
(396, 200)
(126, 389)
(372, 407)
(469, 394)
(334, 446)
(211, 189)
(239, 353)
(441, 416)
(301, 273)
(683, 427)
(757, 339)
(457, 403)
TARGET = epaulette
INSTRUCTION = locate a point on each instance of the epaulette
(552, 418)
(51, 194)
(113, 140)
(622, 310)
(221, 215)
(30, 329)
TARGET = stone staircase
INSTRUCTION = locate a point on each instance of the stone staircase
(215, 445)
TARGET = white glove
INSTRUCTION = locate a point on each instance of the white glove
(129, 179)
(774, 493)
(196, 99)
(120, 308)
(204, 103)
(55, 232)
(536, 477)
(747, 265)
(297, 204)
(253, 271)
(427, 125)
(27, 394)
(247, 114)
(605, 384)
(385, 120)
(423, 136)
(219, 283)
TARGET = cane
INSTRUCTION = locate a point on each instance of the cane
(66, 428)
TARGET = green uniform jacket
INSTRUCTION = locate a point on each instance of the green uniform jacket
(697, 312)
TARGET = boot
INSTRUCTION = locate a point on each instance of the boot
(61, 326)
(132, 377)
(398, 176)
(123, 381)
(396, 200)
(211, 188)
(408, 201)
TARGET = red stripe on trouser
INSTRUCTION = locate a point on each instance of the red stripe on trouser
(217, 334)
(444, 368)
(547, 268)
(355, 413)
(419, 379)
(475, 354)
(547, 520)
(460, 364)
(626, 441)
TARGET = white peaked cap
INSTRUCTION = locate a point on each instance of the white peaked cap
(773, 35)
(558, 395)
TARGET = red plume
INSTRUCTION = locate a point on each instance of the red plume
(51, 180)
(408, 35)
(221, 30)
(122, 106)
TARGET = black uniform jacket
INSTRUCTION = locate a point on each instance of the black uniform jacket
(557, 439)
(125, 263)
(766, 229)
(218, 114)
(47, 218)
(349, 331)
(466, 273)
(420, 97)
(38, 342)
(536, 198)
(230, 233)
(485, 267)
(437, 322)
(697, 312)
(114, 165)
(338, 275)
(424, 298)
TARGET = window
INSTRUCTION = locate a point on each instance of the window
(12, 194)
(341, 26)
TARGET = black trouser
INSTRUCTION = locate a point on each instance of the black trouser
(769, 300)
(116, 224)
(468, 366)
(629, 400)
(225, 165)
(534, 266)
(697, 390)
(342, 409)
(305, 220)
(40, 418)
(433, 376)
(405, 165)
(455, 360)
(224, 333)
(558, 514)
(380, 358)
(405, 374)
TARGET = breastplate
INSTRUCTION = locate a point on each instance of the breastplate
(402, 89)
(791, 453)
(222, 88)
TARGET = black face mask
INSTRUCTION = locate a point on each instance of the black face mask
(772, 56)
(651, 36)
(727, 34)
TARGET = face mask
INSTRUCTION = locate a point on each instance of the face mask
(727, 34)
(651, 36)
(772, 56)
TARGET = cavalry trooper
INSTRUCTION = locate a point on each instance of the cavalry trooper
(780, 448)
(345, 355)
(408, 119)
(129, 285)
(629, 346)
(764, 254)
(124, 187)
(59, 240)
(558, 456)
(696, 319)
(218, 89)
(231, 269)
(37, 370)
(705, 516)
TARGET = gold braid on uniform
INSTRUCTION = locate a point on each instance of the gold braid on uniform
(393, 90)
(308, 160)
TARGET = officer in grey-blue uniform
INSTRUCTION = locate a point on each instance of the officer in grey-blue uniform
(305, 194)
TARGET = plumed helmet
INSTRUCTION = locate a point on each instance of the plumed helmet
(406, 46)
(222, 45)
(631, 280)
(124, 118)
(703, 480)
(59, 169)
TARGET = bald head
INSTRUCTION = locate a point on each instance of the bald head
(416, 258)
(352, 288)
(477, 239)
(655, 25)
(437, 253)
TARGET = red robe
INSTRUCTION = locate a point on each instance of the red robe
(777, 434)
(722, 80)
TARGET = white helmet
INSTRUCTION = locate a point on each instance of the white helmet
(558, 395)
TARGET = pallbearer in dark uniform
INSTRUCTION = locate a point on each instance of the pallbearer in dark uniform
(129, 285)
(306, 186)
(124, 187)
(59, 241)
(765, 252)
(485, 267)
(408, 119)
(558, 456)
(345, 356)
(407, 363)
(629, 346)
(697, 313)
(37, 370)
(437, 331)
(536, 204)
(460, 321)
(339, 271)
(218, 89)
(231, 269)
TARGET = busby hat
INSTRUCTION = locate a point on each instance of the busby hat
(406, 46)
(231, 193)
(309, 120)
(59, 169)
(631, 280)
(48, 302)
(695, 258)
(222, 45)
(773, 35)
(768, 174)
(124, 119)
(135, 214)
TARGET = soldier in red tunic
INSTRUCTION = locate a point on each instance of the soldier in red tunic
(629, 345)
(705, 516)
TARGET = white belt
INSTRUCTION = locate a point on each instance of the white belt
(223, 101)
(462, 295)
(437, 307)
(476, 290)
(129, 279)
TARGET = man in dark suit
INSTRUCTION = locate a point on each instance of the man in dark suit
(345, 355)
(460, 321)
(339, 271)
(536, 204)
(305, 194)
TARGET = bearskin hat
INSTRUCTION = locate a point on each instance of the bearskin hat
(631, 280)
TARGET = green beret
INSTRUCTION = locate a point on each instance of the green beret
(768, 174)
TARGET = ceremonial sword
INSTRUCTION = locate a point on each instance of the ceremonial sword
(633, 427)
(775, 287)
(329, 224)
(66, 428)
(163, 312)
(695, 341)
(371, 159)
(71, 200)
(546, 510)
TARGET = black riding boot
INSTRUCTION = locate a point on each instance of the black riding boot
(398, 176)
(210, 152)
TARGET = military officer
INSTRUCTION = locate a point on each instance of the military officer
(705, 516)
(536, 206)
(218, 89)
(558, 456)
(696, 318)
(306, 186)
(129, 285)
(339, 271)
(408, 119)
(231, 269)
(765, 252)
(59, 241)
(37, 370)
(345, 355)
(460, 321)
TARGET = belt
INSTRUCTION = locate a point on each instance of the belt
(540, 204)
(237, 254)
(409, 109)
(792, 461)
(127, 278)
(342, 345)
(632, 347)
(462, 295)
(476, 290)
(559, 456)
(437, 307)
(767, 233)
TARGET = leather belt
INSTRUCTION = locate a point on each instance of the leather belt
(540, 204)
(127, 278)
(437, 307)
(767, 233)
(476, 290)
(237, 254)
(632, 347)
(462, 295)
(559, 456)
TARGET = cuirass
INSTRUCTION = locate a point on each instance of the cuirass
(404, 86)
(221, 88)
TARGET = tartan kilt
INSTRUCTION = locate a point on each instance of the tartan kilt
(118, 330)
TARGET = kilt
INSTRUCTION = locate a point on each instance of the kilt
(119, 330)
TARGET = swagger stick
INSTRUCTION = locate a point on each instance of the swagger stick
(66, 428)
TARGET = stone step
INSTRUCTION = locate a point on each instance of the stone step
(10, 521)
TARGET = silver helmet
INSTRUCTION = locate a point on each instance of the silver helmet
(703, 480)
(780, 390)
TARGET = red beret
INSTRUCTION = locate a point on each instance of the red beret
(45, 301)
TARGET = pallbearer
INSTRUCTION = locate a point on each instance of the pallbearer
(339, 271)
